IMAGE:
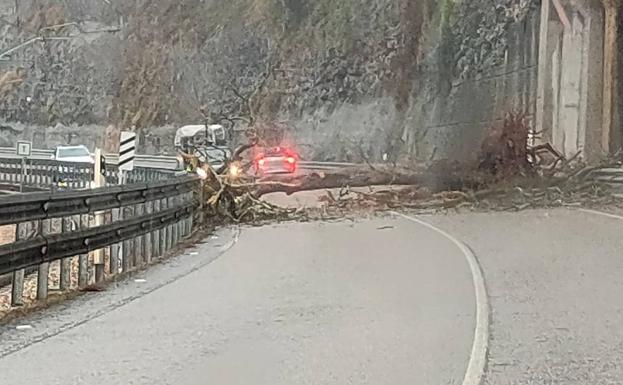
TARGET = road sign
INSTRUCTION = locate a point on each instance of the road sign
(24, 148)
(127, 148)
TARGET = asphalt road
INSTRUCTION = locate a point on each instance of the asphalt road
(555, 279)
(377, 301)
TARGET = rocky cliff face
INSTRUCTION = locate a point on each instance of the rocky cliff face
(345, 80)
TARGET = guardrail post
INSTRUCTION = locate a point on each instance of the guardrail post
(41, 179)
(76, 182)
(67, 224)
(157, 235)
(34, 170)
(16, 173)
(17, 284)
(138, 241)
(83, 259)
(183, 221)
(201, 206)
(168, 229)
(22, 175)
(176, 225)
(114, 249)
(28, 173)
(99, 258)
(127, 245)
(186, 222)
(148, 238)
(44, 268)
(189, 220)
(179, 200)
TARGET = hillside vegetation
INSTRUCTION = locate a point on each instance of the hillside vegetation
(325, 71)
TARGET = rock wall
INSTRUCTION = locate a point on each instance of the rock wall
(463, 109)
(343, 80)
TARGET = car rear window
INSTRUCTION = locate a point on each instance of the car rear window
(274, 152)
(279, 151)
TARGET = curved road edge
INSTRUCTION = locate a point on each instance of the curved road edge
(475, 372)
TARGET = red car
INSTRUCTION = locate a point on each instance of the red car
(276, 160)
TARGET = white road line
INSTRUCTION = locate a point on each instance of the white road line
(601, 213)
(478, 358)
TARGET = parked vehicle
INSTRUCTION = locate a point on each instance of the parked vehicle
(73, 154)
(276, 160)
(209, 144)
(71, 158)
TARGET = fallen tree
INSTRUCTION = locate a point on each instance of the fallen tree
(354, 177)
(508, 175)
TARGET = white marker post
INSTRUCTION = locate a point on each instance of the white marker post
(127, 149)
(99, 180)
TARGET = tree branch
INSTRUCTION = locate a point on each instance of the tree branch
(40, 37)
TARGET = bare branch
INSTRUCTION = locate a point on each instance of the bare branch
(20, 46)
(40, 37)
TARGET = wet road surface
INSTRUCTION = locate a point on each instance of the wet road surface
(376, 301)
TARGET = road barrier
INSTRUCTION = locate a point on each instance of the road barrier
(43, 174)
(141, 161)
(140, 221)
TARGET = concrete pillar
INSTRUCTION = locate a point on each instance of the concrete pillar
(592, 110)
(556, 130)
(610, 140)
(570, 89)
(543, 119)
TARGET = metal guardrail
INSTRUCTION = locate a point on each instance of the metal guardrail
(325, 165)
(140, 161)
(126, 226)
(11, 153)
(42, 174)
(149, 161)
(37, 206)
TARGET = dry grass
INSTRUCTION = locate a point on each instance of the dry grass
(7, 234)
(30, 286)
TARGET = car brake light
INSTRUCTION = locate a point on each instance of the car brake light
(290, 160)
(261, 162)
